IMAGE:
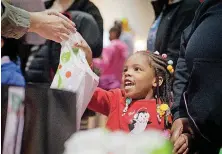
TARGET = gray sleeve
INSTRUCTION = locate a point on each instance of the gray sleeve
(15, 22)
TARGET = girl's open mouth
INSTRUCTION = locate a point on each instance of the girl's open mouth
(128, 84)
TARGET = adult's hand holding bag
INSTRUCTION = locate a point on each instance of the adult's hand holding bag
(74, 74)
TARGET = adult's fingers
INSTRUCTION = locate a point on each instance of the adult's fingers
(63, 29)
(63, 17)
(178, 144)
(66, 22)
(57, 39)
(67, 19)
(175, 133)
(183, 149)
(186, 151)
(64, 36)
(68, 26)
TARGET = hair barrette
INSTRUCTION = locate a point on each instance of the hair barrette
(164, 56)
(156, 53)
(170, 67)
(170, 64)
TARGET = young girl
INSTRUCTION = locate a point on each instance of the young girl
(143, 101)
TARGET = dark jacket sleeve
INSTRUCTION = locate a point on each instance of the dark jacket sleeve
(180, 84)
(15, 22)
(184, 18)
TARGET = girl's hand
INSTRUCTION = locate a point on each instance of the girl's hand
(83, 45)
(182, 144)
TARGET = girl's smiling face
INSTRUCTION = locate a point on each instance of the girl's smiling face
(138, 77)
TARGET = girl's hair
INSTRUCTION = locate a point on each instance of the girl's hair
(118, 24)
(117, 30)
(159, 64)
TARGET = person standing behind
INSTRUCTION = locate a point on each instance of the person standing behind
(80, 9)
(171, 18)
(112, 61)
(126, 34)
(197, 87)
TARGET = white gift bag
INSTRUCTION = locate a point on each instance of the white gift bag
(74, 74)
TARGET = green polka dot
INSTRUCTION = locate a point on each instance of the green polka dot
(65, 57)
(75, 50)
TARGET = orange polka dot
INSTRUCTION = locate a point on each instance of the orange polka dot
(60, 66)
(68, 74)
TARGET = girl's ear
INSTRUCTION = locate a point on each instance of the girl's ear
(160, 81)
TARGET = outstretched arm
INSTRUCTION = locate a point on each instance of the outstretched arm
(101, 101)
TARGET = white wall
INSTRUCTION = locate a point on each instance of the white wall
(138, 12)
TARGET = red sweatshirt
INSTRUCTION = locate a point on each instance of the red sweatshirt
(140, 115)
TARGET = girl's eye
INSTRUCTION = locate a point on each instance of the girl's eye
(137, 69)
(125, 70)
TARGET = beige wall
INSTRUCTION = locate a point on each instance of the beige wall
(138, 12)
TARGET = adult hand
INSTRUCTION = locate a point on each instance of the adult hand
(180, 126)
(182, 144)
(51, 25)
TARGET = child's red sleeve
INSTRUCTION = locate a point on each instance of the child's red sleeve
(101, 101)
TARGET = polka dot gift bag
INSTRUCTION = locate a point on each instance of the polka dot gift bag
(74, 74)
